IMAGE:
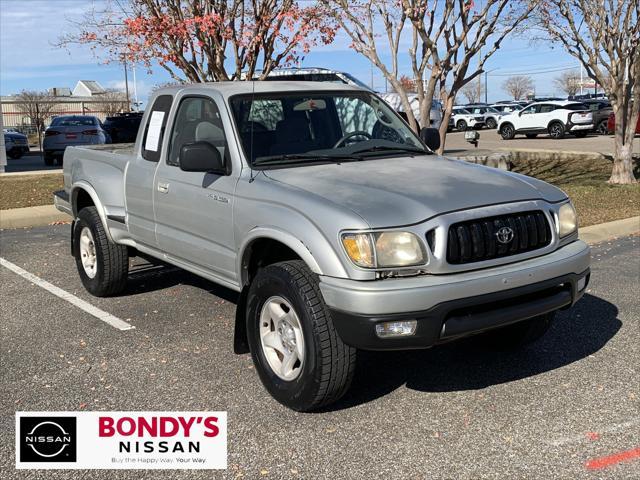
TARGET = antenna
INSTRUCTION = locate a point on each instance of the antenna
(253, 97)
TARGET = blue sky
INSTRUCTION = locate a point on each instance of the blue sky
(28, 60)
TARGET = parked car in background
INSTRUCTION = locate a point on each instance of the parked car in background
(611, 124)
(16, 144)
(553, 117)
(435, 114)
(123, 128)
(463, 119)
(71, 130)
(490, 114)
(601, 109)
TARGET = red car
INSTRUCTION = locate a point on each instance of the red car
(611, 124)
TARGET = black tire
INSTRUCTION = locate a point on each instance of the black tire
(507, 132)
(59, 160)
(328, 366)
(602, 128)
(111, 259)
(556, 130)
(462, 125)
(15, 155)
(580, 134)
(48, 159)
(491, 123)
(521, 334)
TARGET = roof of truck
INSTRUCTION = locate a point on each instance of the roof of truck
(228, 89)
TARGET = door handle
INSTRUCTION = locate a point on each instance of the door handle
(163, 187)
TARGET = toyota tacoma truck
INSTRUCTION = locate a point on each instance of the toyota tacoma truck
(338, 226)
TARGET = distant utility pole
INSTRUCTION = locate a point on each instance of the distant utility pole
(3, 152)
(126, 84)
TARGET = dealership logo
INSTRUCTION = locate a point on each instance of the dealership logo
(48, 439)
(505, 235)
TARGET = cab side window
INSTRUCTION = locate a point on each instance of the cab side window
(197, 120)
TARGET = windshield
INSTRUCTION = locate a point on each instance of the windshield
(324, 126)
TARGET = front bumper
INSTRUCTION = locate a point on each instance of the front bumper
(455, 305)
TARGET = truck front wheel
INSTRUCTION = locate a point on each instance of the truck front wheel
(103, 265)
(297, 352)
(521, 334)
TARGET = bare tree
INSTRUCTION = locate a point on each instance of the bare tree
(113, 101)
(473, 92)
(444, 39)
(204, 40)
(604, 35)
(568, 82)
(38, 106)
(518, 86)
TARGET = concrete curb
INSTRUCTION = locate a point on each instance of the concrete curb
(31, 217)
(606, 231)
(56, 171)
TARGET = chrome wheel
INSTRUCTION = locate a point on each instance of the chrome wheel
(556, 130)
(88, 253)
(281, 338)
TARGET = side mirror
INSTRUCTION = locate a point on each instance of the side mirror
(431, 138)
(201, 157)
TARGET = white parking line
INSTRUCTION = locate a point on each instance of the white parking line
(112, 320)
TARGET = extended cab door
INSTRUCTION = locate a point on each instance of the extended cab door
(139, 177)
(193, 210)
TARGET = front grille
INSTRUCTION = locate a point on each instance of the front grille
(477, 240)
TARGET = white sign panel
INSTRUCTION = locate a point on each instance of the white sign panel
(121, 440)
(153, 133)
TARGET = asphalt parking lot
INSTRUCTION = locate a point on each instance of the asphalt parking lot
(491, 140)
(455, 411)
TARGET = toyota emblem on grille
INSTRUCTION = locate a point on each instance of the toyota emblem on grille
(504, 235)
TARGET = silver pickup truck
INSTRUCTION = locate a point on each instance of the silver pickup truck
(336, 223)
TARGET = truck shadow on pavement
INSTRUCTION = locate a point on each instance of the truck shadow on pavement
(469, 365)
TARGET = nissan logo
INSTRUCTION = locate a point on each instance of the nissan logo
(504, 234)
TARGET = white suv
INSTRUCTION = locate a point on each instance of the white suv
(462, 119)
(553, 117)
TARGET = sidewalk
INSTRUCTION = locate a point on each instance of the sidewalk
(31, 217)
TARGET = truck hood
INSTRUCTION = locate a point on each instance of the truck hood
(400, 191)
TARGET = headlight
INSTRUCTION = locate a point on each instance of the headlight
(384, 249)
(567, 220)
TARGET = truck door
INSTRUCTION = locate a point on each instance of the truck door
(139, 178)
(193, 210)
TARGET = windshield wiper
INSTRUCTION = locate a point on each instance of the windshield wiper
(386, 148)
(300, 157)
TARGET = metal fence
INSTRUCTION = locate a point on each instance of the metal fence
(13, 118)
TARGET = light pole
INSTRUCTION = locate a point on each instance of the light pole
(486, 84)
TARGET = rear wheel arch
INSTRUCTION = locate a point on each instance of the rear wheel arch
(83, 195)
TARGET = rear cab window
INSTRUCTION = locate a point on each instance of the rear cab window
(155, 128)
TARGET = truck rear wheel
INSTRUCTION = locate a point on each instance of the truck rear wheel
(521, 334)
(103, 265)
(297, 352)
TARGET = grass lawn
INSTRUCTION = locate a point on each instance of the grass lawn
(584, 182)
(18, 191)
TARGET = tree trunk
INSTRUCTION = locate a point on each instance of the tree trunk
(622, 173)
(448, 108)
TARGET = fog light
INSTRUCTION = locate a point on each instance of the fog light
(582, 283)
(396, 329)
